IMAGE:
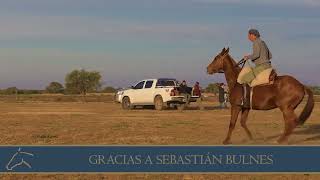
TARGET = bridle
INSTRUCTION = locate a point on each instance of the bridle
(242, 62)
(221, 58)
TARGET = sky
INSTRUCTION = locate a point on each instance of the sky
(130, 40)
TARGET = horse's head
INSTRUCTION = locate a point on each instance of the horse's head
(216, 66)
(18, 159)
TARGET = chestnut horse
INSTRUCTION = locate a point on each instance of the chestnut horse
(286, 93)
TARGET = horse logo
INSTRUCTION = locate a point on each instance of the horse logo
(18, 159)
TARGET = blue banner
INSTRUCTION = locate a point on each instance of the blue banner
(159, 159)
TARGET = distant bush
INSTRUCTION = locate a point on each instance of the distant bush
(315, 89)
(55, 87)
(15, 91)
(212, 88)
(10, 91)
(30, 91)
(109, 89)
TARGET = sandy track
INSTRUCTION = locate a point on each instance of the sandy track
(105, 123)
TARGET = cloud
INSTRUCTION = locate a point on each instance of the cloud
(312, 2)
(69, 34)
(82, 29)
(267, 2)
(30, 28)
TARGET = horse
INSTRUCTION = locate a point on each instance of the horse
(285, 93)
(18, 159)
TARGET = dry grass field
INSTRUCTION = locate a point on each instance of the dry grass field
(56, 122)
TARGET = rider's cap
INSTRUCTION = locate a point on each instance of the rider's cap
(254, 32)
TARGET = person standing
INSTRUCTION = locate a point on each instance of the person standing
(226, 95)
(221, 95)
(184, 91)
(196, 91)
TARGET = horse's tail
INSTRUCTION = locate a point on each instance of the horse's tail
(306, 112)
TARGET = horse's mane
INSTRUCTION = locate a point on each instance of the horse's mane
(234, 64)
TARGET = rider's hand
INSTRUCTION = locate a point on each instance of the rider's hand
(246, 57)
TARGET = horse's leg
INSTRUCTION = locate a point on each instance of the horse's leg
(234, 117)
(244, 117)
(290, 120)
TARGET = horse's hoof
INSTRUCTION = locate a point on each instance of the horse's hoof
(225, 142)
(282, 141)
(251, 140)
(274, 142)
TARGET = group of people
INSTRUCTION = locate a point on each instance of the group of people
(188, 91)
(196, 91)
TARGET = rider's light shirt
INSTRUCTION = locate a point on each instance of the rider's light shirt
(261, 53)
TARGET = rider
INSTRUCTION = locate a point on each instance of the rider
(261, 57)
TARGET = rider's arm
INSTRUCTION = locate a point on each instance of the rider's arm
(256, 52)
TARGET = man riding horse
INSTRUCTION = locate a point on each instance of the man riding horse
(285, 92)
(261, 57)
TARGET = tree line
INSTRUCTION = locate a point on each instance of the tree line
(83, 82)
(76, 82)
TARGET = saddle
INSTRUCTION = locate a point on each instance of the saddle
(266, 77)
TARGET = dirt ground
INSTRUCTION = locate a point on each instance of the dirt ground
(105, 123)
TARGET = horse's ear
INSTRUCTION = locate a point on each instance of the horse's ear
(227, 50)
(223, 50)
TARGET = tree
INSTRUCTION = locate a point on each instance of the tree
(109, 89)
(11, 90)
(212, 88)
(82, 82)
(55, 87)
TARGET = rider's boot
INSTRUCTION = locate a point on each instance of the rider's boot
(246, 96)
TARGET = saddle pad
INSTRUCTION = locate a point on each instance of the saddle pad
(262, 78)
(244, 71)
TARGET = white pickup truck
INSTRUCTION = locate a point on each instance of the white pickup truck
(160, 93)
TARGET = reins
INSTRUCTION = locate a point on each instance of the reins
(241, 62)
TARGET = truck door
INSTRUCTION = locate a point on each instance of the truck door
(148, 90)
(137, 93)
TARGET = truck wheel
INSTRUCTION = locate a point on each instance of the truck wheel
(126, 104)
(158, 103)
